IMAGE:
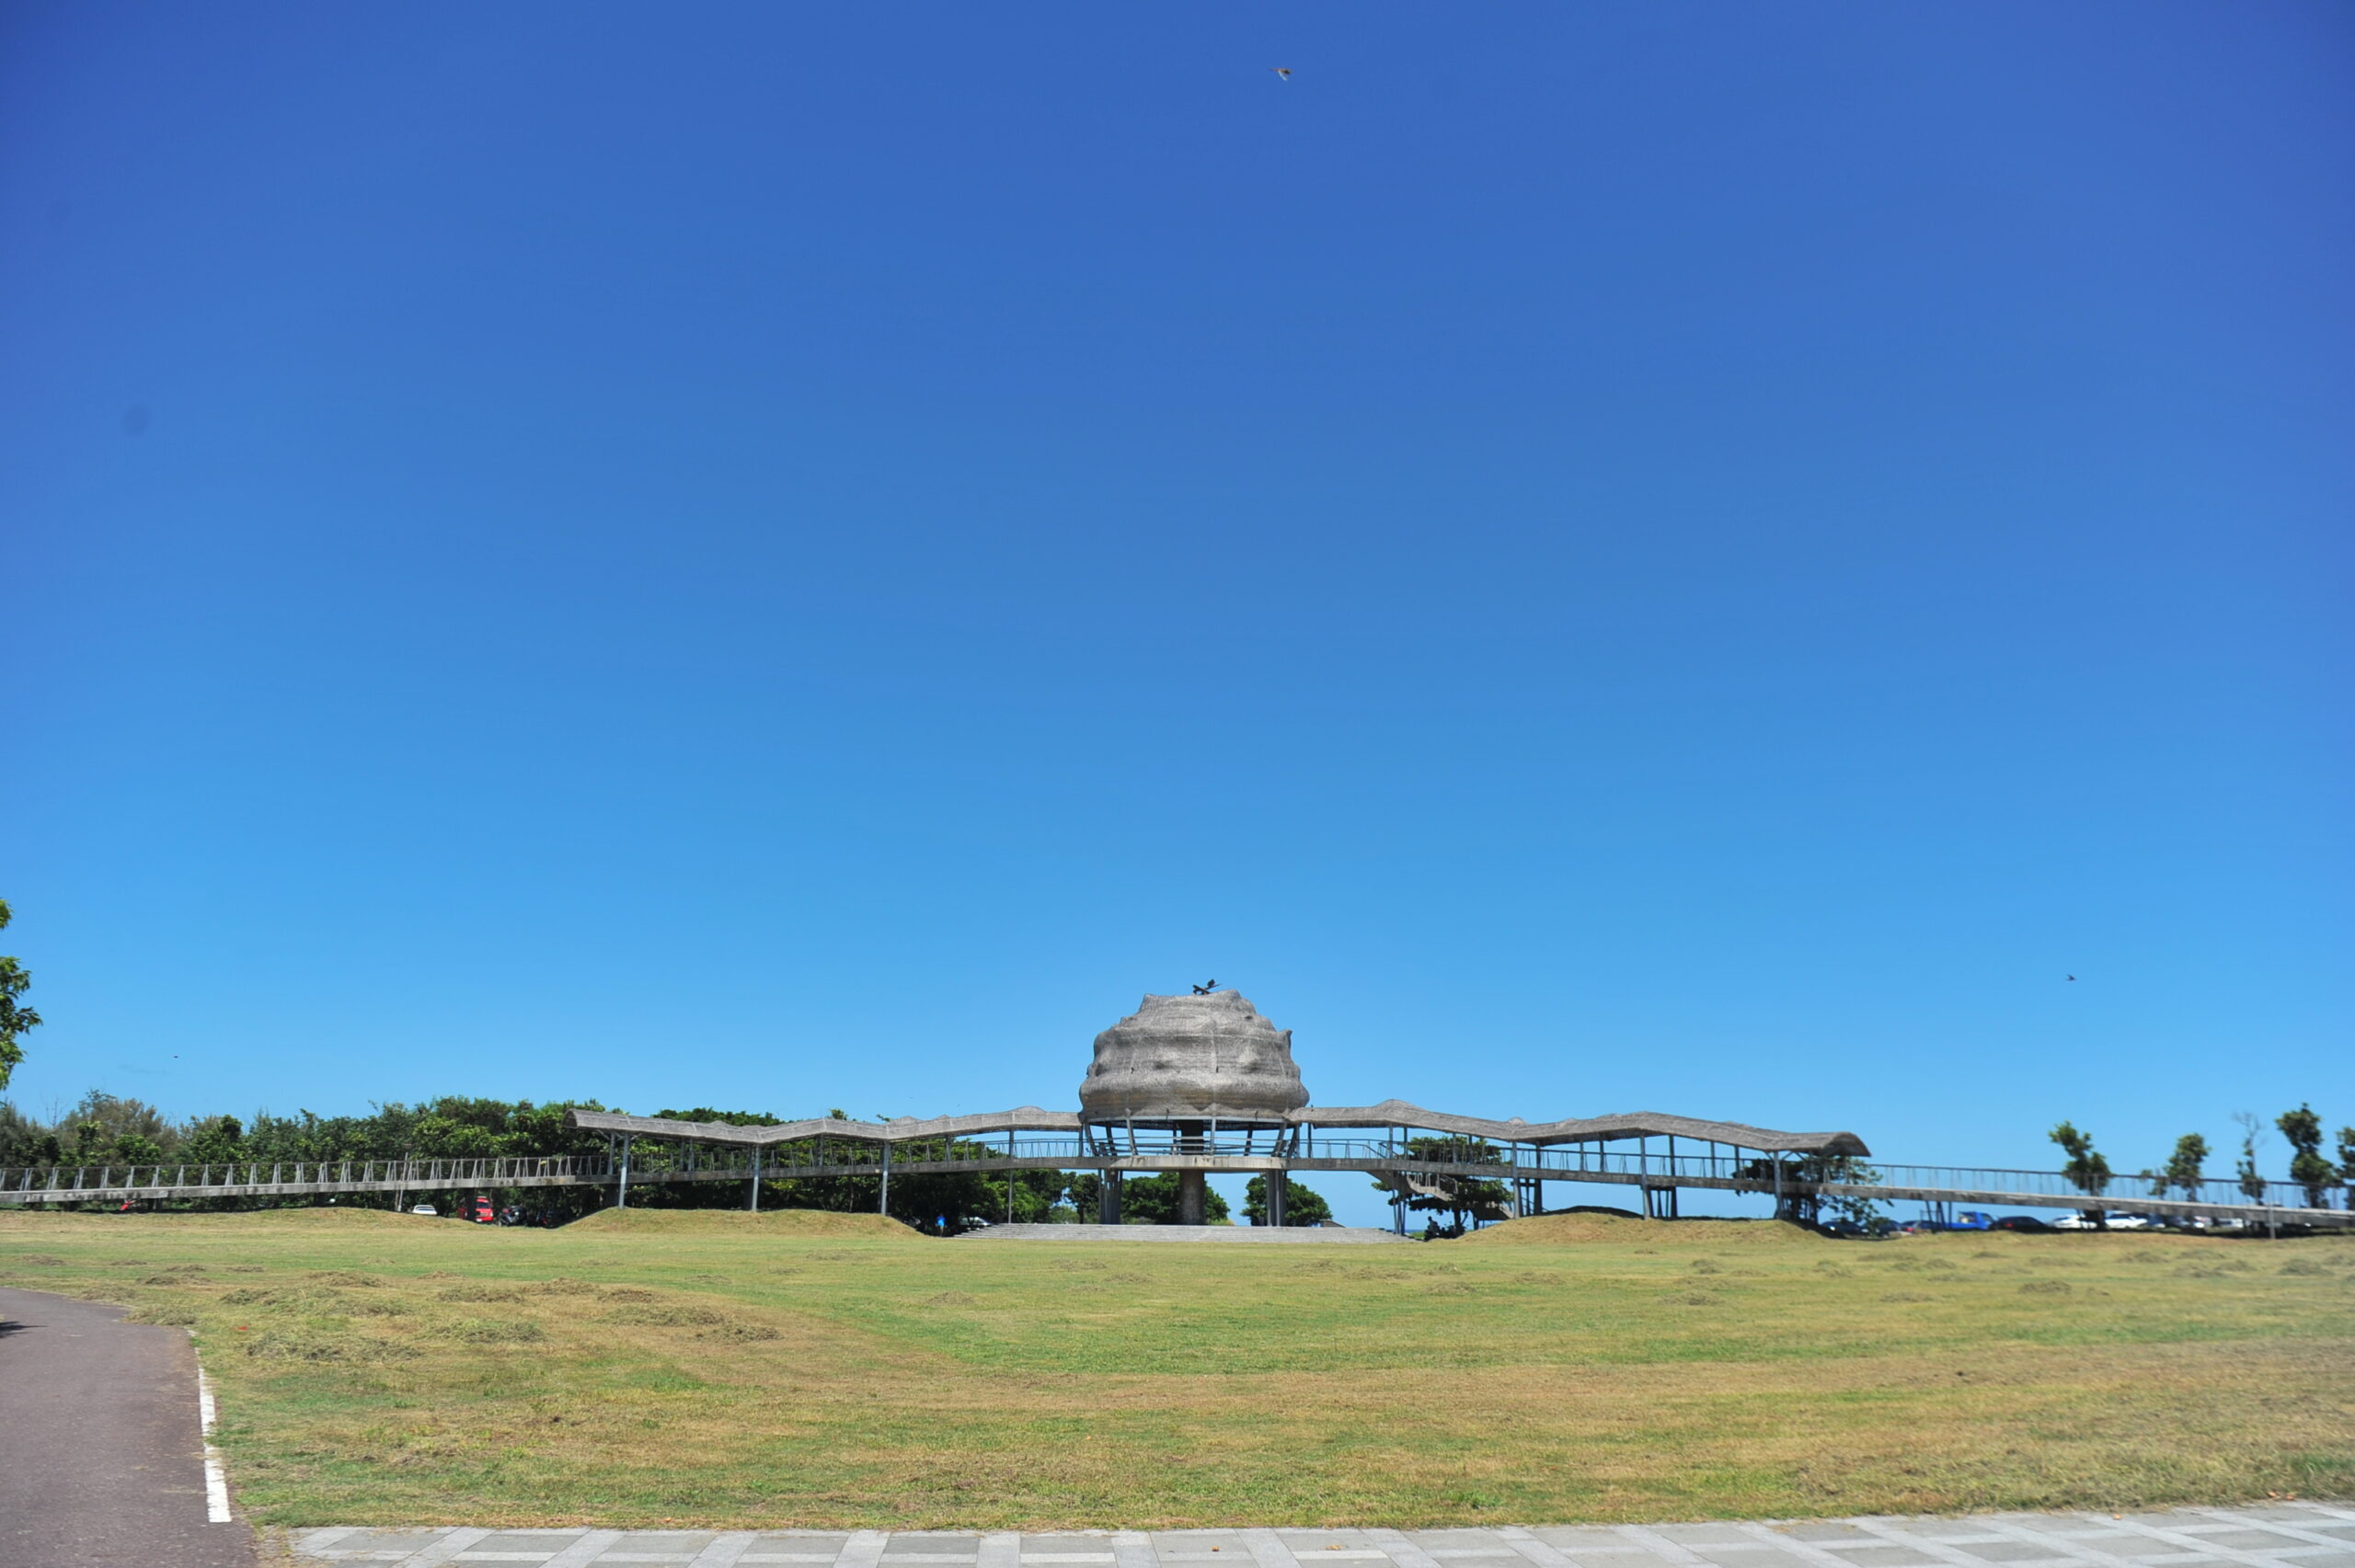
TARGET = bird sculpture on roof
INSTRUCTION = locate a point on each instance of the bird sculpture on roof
(1206, 988)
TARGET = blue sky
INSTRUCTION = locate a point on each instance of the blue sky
(1587, 556)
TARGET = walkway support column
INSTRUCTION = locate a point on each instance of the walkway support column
(1275, 1179)
(621, 1199)
(752, 1203)
(1191, 1188)
(883, 1200)
(1107, 1197)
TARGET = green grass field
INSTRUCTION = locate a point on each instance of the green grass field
(830, 1370)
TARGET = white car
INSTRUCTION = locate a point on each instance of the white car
(2073, 1222)
(427, 1209)
(2130, 1222)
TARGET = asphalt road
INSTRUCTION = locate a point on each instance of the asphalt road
(101, 1448)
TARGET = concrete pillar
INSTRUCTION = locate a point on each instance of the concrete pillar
(1276, 1197)
(1108, 1199)
(1191, 1190)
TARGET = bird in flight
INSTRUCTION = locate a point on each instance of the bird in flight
(1283, 70)
(2068, 977)
(1206, 988)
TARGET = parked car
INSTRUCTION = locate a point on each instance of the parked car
(476, 1209)
(425, 1208)
(2074, 1222)
(2019, 1222)
(2130, 1222)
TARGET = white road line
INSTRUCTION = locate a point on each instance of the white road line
(216, 1479)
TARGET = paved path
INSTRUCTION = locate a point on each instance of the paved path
(101, 1453)
(2289, 1534)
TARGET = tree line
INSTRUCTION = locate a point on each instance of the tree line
(2316, 1172)
(104, 1130)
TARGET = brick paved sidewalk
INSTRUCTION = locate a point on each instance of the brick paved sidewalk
(2285, 1534)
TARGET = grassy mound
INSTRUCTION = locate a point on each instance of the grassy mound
(331, 1216)
(737, 1222)
(1557, 1229)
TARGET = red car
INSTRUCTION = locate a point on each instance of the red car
(479, 1209)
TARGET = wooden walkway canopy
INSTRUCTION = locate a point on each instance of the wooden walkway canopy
(1389, 1113)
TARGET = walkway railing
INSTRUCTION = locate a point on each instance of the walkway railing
(197, 1181)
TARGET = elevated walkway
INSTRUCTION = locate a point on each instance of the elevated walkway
(1658, 1176)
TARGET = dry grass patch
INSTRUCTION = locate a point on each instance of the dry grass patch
(737, 1222)
(1557, 1229)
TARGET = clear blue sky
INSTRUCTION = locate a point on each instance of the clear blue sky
(1587, 556)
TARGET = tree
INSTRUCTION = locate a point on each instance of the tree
(2252, 1184)
(24, 1141)
(2183, 1168)
(2347, 1162)
(2086, 1168)
(1464, 1199)
(212, 1140)
(1153, 1200)
(15, 1017)
(1798, 1180)
(1303, 1205)
(111, 1129)
(2302, 1128)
